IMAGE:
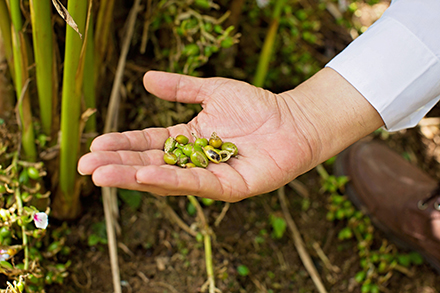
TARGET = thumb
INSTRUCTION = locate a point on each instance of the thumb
(174, 87)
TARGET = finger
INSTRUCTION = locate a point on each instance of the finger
(121, 176)
(178, 181)
(126, 177)
(139, 140)
(91, 161)
(175, 87)
(220, 182)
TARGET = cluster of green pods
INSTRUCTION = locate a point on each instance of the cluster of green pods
(179, 151)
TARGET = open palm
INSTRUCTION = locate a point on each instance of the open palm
(268, 129)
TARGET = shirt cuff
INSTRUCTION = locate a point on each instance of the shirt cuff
(394, 70)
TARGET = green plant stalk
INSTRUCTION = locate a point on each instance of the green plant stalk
(89, 81)
(23, 230)
(17, 21)
(103, 25)
(208, 261)
(20, 212)
(266, 52)
(70, 112)
(206, 242)
(19, 48)
(322, 172)
(43, 52)
(5, 28)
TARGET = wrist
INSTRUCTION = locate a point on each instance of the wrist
(331, 113)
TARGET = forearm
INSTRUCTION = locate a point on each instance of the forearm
(334, 113)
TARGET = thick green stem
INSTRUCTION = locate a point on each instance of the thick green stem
(43, 52)
(103, 25)
(89, 82)
(5, 28)
(17, 21)
(266, 52)
(68, 204)
(19, 48)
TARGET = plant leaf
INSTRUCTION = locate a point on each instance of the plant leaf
(62, 11)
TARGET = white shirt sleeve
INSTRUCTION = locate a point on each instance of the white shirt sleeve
(395, 64)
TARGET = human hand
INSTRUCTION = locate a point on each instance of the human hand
(272, 148)
(278, 136)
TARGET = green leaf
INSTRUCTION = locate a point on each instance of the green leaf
(191, 209)
(243, 270)
(404, 260)
(93, 240)
(132, 198)
(305, 204)
(33, 173)
(340, 214)
(199, 237)
(207, 201)
(6, 265)
(374, 288)
(202, 4)
(191, 50)
(337, 199)
(360, 276)
(4, 232)
(100, 229)
(416, 258)
(366, 288)
(345, 233)
(278, 226)
(227, 42)
(53, 246)
(24, 177)
(342, 180)
(259, 239)
(330, 216)
(330, 161)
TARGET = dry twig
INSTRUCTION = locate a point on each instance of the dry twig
(324, 259)
(300, 188)
(222, 214)
(299, 243)
(109, 194)
(161, 204)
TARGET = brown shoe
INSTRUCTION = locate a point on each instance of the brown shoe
(401, 200)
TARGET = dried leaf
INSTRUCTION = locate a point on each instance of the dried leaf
(66, 16)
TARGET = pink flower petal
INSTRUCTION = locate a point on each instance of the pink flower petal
(41, 220)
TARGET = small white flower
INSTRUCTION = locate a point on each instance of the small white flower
(41, 220)
(4, 255)
(262, 3)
